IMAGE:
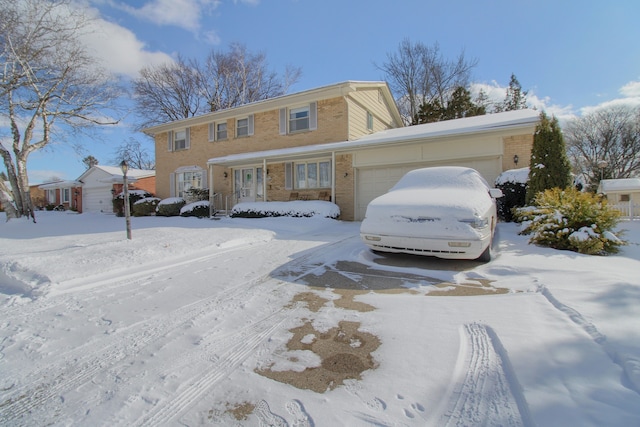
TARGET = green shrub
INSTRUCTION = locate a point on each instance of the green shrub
(146, 206)
(198, 209)
(196, 195)
(514, 194)
(134, 196)
(170, 207)
(571, 220)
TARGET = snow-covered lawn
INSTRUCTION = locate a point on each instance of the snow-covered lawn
(292, 321)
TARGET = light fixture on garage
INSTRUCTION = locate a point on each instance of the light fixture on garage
(515, 159)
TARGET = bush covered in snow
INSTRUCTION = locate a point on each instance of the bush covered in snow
(196, 195)
(146, 206)
(134, 196)
(571, 220)
(170, 206)
(297, 209)
(199, 209)
(513, 184)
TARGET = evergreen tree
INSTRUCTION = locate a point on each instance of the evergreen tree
(549, 166)
(90, 161)
(459, 105)
(515, 99)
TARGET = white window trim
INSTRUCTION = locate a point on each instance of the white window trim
(172, 139)
(291, 174)
(249, 126)
(285, 118)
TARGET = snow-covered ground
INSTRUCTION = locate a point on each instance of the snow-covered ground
(292, 321)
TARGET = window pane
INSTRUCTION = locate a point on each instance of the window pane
(180, 141)
(298, 119)
(301, 176)
(221, 131)
(325, 174)
(243, 127)
(312, 174)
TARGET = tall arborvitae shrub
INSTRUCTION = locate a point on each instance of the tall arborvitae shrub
(549, 166)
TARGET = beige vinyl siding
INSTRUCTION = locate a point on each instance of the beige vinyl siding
(368, 100)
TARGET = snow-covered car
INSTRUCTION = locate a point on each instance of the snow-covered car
(446, 212)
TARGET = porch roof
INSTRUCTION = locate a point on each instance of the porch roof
(621, 184)
(418, 133)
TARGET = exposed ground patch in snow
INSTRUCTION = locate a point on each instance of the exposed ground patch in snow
(175, 326)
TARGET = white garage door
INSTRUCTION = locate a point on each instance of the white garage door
(97, 199)
(374, 182)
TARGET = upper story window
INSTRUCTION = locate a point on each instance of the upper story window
(244, 126)
(179, 140)
(369, 121)
(217, 131)
(221, 130)
(298, 119)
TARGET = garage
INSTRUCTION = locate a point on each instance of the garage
(374, 181)
(97, 199)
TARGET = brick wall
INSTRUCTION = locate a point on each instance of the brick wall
(519, 145)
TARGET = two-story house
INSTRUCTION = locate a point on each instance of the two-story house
(344, 142)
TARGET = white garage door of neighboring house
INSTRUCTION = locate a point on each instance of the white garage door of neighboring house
(97, 199)
(374, 182)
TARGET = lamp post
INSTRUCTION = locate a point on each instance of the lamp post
(602, 164)
(125, 190)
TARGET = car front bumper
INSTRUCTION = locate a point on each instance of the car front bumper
(440, 247)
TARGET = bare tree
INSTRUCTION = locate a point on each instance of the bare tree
(188, 88)
(168, 92)
(420, 74)
(605, 143)
(49, 85)
(134, 153)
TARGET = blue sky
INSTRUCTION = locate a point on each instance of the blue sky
(570, 55)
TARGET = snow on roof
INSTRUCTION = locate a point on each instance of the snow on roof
(463, 126)
(59, 184)
(133, 173)
(622, 184)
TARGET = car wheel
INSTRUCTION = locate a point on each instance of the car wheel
(486, 255)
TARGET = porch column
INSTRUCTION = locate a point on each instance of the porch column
(264, 180)
(333, 177)
(211, 193)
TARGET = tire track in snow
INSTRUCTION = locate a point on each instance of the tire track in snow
(44, 394)
(226, 359)
(42, 398)
(488, 392)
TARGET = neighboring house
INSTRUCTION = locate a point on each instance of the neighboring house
(623, 194)
(101, 183)
(63, 193)
(343, 143)
(94, 190)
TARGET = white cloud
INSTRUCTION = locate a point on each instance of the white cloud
(184, 14)
(118, 48)
(631, 90)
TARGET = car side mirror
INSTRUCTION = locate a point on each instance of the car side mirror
(496, 193)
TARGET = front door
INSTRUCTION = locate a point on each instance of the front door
(246, 184)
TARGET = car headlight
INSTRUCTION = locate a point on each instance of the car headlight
(477, 222)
